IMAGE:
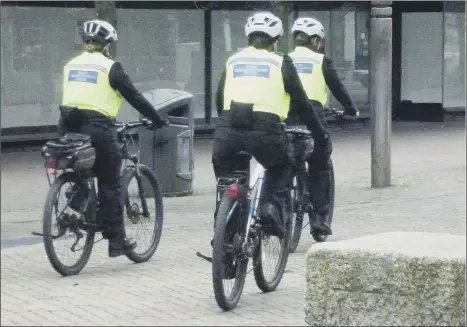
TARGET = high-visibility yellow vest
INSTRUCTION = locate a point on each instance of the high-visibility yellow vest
(254, 76)
(309, 65)
(86, 84)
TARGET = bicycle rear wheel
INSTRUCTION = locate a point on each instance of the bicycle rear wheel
(298, 192)
(66, 225)
(266, 281)
(228, 264)
(319, 237)
(147, 231)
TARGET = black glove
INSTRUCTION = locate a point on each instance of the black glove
(159, 123)
(351, 111)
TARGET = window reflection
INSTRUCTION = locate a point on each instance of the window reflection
(163, 49)
(36, 43)
(454, 56)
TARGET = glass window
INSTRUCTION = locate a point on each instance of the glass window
(454, 56)
(162, 49)
(422, 53)
(348, 38)
(36, 42)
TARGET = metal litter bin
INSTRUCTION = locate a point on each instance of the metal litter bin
(169, 151)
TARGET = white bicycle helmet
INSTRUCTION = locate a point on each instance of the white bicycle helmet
(99, 31)
(309, 26)
(266, 23)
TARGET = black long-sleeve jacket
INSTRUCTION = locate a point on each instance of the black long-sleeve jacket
(292, 85)
(334, 83)
(121, 82)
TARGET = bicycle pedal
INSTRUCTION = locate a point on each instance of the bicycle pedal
(37, 234)
(199, 254)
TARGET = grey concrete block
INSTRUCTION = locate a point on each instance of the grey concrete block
(390, 279)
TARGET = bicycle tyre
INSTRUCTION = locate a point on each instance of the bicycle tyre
(50, 201)
(319, 237)
(300, 191)
(260, 279)
(223, 302)
(127, 175)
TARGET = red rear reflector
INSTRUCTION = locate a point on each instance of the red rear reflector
(233, 191)
(51, 166)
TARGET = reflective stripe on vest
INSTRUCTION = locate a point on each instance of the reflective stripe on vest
(254, 76)
(86, 85)
(309, 65)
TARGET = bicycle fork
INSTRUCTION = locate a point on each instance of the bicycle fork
(139, 181)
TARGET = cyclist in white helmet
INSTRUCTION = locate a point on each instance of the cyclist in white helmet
(317, 73)
(254, 95)
(93, 87)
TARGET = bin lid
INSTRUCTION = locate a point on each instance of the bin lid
(164, 99)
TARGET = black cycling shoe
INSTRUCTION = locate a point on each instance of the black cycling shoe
(319, 224)
(271, 221)
(118, 246)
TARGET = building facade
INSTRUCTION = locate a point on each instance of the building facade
(184, 45)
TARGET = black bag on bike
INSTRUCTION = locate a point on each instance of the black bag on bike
(302, 148)
(241, 115)
(70, 151)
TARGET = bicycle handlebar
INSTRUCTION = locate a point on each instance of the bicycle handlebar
(124, 126)
(327, 112)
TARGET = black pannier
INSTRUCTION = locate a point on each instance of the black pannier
(70, 151)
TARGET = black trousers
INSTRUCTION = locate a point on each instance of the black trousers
(107, 165)
(319, 166)
(270, 148)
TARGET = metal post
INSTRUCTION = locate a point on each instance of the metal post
(381, 85)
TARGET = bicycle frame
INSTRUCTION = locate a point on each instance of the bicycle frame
(256, 187)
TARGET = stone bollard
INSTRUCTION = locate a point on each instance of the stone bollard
(390, 279)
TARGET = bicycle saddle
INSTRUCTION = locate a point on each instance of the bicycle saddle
(243, 154)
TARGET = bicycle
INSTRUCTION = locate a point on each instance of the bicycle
(239, 235)
(70, 160)
(302, 141)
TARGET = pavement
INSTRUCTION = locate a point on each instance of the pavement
(175, 287)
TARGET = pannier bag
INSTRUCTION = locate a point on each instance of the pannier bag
(70, 151)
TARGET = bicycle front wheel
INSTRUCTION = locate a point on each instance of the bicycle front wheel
(228, 266)
(145, 230)
(298, 193)
(68, 247)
